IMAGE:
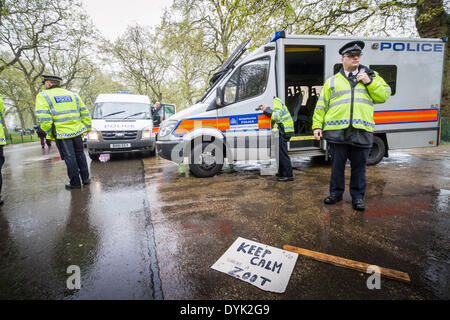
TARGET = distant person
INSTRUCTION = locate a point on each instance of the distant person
(285, 127)
(2, 143)
(155, 114)
(43, 136)
(344, 117)
(64, 117)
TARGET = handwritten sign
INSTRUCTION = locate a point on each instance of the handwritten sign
(265, 267)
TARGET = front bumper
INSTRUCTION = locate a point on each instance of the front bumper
(165, 149)
(97, 147)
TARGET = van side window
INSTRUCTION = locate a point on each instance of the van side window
(388, 73)
(231, 88)
(253, 79)
(248, 82)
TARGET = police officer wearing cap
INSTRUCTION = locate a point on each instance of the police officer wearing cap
(344, 118)
(284, 126)
(64, 117)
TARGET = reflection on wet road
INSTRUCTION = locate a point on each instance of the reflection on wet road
(405, 227)
(142, 230)
(104, 229)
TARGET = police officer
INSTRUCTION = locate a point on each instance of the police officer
(64, 117)
(2, 143)
(344, 117)
(283, 120)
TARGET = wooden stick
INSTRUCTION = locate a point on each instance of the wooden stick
(346, 263)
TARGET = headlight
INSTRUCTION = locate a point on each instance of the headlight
(147, 133)
(167, 127)
(93, 135)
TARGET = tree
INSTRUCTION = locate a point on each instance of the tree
(27, 24)
(182, 43)
(96, 83)
(142, 60)
(13, 87)
(66, 54)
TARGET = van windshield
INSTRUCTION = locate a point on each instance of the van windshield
(121, 110)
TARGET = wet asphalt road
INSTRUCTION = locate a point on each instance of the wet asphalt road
(142, 230)
(104, 229)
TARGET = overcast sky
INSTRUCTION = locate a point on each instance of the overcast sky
(112, 17)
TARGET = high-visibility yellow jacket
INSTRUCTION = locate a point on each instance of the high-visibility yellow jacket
(280, 114)
(63, 109)
(341, 105)
(2, 133)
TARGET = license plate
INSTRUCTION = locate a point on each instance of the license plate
(120, 145)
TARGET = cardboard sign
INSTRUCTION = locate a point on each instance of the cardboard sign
(265, 267)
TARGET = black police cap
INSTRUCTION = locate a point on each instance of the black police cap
(352, 47)
(50, 78)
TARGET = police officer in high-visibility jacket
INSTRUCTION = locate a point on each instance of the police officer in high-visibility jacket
(344, 117)
(285, 127)
(64, 117)
(2, 143)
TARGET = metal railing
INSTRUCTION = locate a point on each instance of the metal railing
(21, 137)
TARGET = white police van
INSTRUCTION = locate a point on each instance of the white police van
(121, 123)
(294, 68)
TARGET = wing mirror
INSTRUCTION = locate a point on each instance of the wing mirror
(219, 97)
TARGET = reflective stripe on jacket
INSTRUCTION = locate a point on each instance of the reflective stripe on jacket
(280, 114)
(340, 105)
(65, 110)
(2, 132)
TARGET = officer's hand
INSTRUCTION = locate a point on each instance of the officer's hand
(263, 108)
(317, 134)
(364, 77)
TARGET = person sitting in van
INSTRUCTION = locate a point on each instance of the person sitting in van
(156, 117)
(285, 126)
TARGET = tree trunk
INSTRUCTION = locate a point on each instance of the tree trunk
(33, 116)
(433, 22)
(22, 120)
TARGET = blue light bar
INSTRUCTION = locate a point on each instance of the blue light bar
(126, 92)
(278, 35)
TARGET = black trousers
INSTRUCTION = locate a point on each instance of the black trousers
(284, 161)
(358, 161)
(73, 154)
(2, 161)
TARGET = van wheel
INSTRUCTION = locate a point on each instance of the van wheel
(377, 152)
(206, 159)
(93, 156)
(150, 153)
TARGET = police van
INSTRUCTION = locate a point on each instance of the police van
(121, 123)
(294, 68)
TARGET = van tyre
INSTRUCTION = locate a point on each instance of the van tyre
(93, 156)
(206, 159)
(149, 153)
(377, 151)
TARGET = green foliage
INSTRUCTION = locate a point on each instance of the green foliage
(174, 61)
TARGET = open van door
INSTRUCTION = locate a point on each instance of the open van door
(303, 79)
